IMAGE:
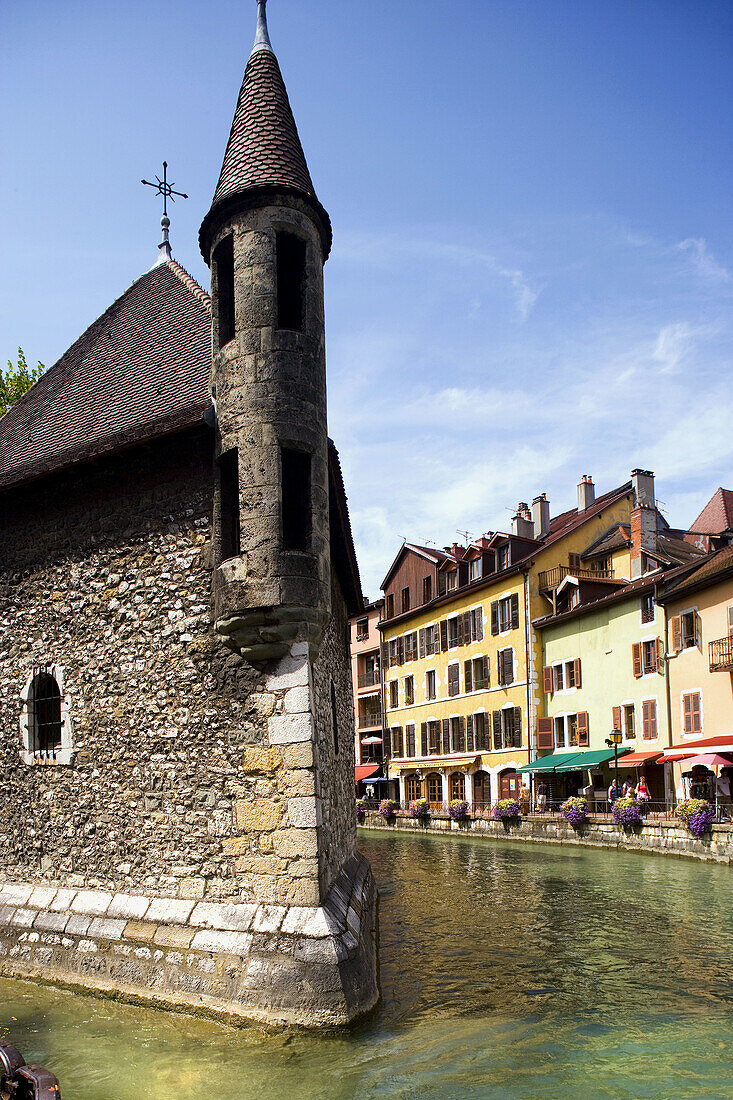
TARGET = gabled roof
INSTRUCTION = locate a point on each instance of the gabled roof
(140, 370)
(675, 551)
(717, 515)
(568, 521)
(435, 557)
(714, 568)
(617, 537)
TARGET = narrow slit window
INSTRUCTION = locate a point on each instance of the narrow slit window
(229, 503)
(224, 270)
(296, 499)
(334, 719)
(290, 254)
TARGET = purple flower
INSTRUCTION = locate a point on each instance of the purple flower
(575, 811)
(420, 808)
(506, 809)
(387, 809)
(697, 814)
(458, 809)
(626, 811)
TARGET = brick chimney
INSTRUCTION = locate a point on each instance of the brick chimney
(522, 525)
(586, 493)
(541, 516)
(643, 520)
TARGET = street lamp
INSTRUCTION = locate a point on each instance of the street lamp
(615, 740)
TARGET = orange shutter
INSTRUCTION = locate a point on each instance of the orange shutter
(677, 633)
(583, 733)
(660, 659)
(687, 713)
(547, 679)
(636, 659)
(577, 672)
(545, 739)
(617, 718)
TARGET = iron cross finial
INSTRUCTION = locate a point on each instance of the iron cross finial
(165, 189)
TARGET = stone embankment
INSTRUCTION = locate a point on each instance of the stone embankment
(279, 964)
(658, 837)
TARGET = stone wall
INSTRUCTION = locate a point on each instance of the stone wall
(660, 838)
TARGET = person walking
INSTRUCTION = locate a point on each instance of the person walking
(541, 796)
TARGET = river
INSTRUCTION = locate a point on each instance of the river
(507, 970)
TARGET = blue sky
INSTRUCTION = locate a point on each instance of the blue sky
(532, 271)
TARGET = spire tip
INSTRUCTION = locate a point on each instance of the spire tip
(262, 38)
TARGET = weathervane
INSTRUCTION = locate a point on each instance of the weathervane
(165, 189)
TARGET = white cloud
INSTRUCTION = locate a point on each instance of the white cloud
(703, 260)
(672, 345)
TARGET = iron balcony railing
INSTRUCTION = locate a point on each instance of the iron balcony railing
(551, 578)
(720, 653)
(369, 679)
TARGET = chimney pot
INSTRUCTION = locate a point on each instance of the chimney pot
(586, 493)
(541, 516)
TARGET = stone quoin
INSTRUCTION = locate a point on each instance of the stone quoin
(177, 573)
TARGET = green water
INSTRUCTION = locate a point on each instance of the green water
(507, 970)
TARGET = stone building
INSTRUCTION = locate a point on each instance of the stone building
(176, 576)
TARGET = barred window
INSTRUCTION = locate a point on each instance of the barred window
(44, 721)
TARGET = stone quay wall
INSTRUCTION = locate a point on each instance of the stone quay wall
(659, 838)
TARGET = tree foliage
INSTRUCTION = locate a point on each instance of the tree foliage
(17, 380)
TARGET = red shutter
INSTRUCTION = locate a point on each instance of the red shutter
(687, 713)
(696, 723)
(636, 659)
(652, 704)
(547, 679)
(515, 610)
(577, 672)
(583, 732)
(468, 676)
(494, 616)
(617, 717)
(545, 738)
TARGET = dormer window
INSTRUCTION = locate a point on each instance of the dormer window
(502, 556)
(474, 569)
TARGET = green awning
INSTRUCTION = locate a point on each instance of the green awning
(579, 761)
(547, 763)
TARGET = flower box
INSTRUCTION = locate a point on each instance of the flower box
(626, 811)
(575, 811)
(458, 809)
(420, 809)
(507, 809)
(697, 814)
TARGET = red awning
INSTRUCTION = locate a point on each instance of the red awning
(363, 771)
(636, 759)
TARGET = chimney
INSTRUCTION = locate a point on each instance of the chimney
(643, 520)
(541, 516)
(522, 525)
(586, 493)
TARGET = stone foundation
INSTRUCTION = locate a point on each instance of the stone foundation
(276, 964)
(660, 838)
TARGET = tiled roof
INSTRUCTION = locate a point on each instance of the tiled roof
(264, 148)
(617, 538)
(717, 515)
(568, 521)
(676, 551)
(140, 370)
(714, 567)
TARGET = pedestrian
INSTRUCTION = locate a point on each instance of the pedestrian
(541, 796)
(642, 791)
(628, 788)
(614, 792)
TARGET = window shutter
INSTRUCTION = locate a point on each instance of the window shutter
(636, 659)
(424, 739)
(446, 735)
(486, 672)
(398, 741)
(444, 635)
(385, 655)
(660, 658)
(517, 727)
(422, 641)
(696, 723)
(508, 656)
(652, 718)
(677, 633)
(515, 610)
(494, 616)
(461, 734)
(578, 681)
(698, 631)
(687, 712)
(387, 743)
(617, 717)
(583, 732)
(545, 737)
(480, 624)
(469, 733)
(500, 667)
(497, 729)
(468, 676)
(547, 679)
(400, 650)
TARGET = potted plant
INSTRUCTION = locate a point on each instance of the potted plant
(626, 811)
(507, 809)
(420, 809)
(360, 810)
(387, 809)
(697, 814)
(575, 810)
(458, 809)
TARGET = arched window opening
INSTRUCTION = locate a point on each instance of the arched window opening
(44, 714)
(457, 786)
(435, 790)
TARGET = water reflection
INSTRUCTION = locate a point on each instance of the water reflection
(506, 969)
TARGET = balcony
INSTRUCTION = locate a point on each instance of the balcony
(720, 653)
(369, 679)
(370, 720)
(551, 578)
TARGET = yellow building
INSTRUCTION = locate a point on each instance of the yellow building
(462, 666)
